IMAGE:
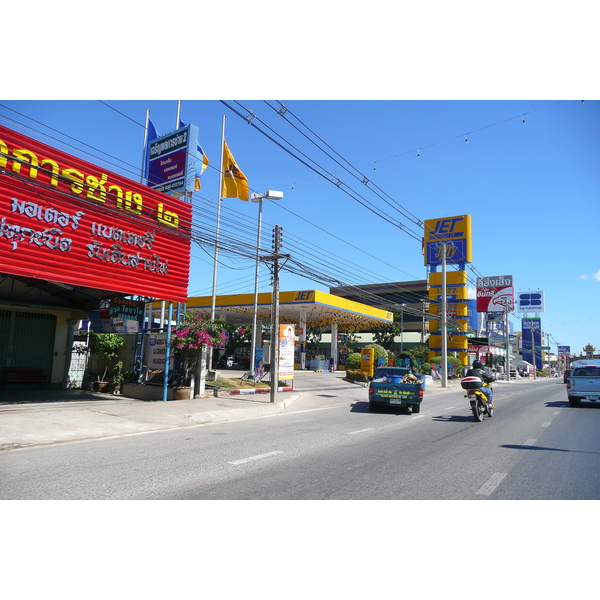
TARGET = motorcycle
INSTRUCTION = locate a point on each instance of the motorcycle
(478, 400)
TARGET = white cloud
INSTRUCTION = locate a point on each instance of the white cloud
(597, 275)
(584, 276)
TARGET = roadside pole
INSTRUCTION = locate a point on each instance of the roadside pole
(444, 361)
(274, 350)
(275, 316)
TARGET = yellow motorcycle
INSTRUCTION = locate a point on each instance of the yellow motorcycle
(478, 400)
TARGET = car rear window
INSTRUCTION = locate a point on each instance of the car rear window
(586, 372)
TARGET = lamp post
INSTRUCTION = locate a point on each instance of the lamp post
(269, 195)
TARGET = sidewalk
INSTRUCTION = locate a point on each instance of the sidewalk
(52, 416)
(41, 417)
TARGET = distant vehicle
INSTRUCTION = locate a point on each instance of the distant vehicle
(566, 375)
(395, 386)
(584, 382)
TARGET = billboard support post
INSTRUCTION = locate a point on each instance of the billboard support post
(444, 361)
(533, 355)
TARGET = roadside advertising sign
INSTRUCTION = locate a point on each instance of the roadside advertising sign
(287, 337)
(564, 349)
(126, 309)
(455, 232)
(171, 160)
(530, 301)
(495, 293)
(66, 220)
(156, 352)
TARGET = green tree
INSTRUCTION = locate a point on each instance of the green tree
(314, 334)
(420, 353)
(384, 335)
(105, 347)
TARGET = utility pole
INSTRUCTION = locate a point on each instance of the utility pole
(277, 233)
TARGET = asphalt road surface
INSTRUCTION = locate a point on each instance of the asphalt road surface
(329, 446)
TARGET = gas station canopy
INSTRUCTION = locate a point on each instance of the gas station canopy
(312, 307)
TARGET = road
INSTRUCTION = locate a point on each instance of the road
(535, 447)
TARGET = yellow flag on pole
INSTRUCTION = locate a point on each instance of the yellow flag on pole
(235, 184)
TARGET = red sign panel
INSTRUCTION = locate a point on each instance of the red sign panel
(66, 220)
(495, 294)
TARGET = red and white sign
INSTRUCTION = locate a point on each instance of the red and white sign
(66, 220)
(495, 294)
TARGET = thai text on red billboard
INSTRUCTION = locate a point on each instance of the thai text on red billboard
(67, 220)
(495, 294)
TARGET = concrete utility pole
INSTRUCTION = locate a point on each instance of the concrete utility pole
(277, 232)
(275, 315)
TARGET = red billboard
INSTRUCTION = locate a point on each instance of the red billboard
(67, 220)
(495, 294)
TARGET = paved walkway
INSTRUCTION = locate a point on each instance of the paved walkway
(33, 417)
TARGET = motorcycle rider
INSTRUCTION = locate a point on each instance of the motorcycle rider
(477, 371)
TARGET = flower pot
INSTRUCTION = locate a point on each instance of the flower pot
(101, 386)
(182, 393)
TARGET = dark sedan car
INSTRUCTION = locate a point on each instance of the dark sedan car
(566, 375)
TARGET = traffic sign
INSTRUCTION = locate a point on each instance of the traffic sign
(542, 347)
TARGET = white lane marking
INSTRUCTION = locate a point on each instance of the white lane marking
(529, 443)
(491, 484)
(360, 431)
(546, 424)
(257, 457)
(449, 408)
(557, 412)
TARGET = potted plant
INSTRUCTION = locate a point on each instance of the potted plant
(104, 347)
(118, 377)
(188, 340)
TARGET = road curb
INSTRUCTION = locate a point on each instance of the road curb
(257, 391)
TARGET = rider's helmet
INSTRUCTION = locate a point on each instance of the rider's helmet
(477, 364)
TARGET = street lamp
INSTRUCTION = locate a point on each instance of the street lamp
(269, 195)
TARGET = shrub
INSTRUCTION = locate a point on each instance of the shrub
(452, 360)
(357, 376)
(378, 351)
(353, 361)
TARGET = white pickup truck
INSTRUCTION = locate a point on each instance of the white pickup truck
(584, 382)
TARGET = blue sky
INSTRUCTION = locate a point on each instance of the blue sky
(448, 140)
(527, 171)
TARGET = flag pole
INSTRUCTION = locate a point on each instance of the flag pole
(145, 150)
(214, 288)
(178, 114)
